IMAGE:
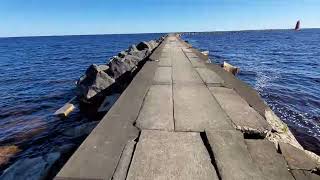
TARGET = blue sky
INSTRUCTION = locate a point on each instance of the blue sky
(67, 17)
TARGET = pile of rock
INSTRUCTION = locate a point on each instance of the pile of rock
(99, 77)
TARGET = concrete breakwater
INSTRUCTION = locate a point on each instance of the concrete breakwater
(99, 82)
(184, 118)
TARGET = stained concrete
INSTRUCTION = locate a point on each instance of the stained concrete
(163, 75)
(209, 77)
(304, 175)
(195, 109)
(165, 61)
(296, 158)
(241, 114)
(196, 63)
(171, 155)
(157, 110)
(232, 156)
(266, 157)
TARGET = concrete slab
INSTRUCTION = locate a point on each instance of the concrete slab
(296, 158)
(195, 109)
(171, 155)
(157, 110)
(191, 55)
(196, 62)
(304, 175)
(232, 156)
(270, 162)
(209, 77)
(165, 61)
(98, 156)
(124, 163)
(163, 75)
(241, 114)
(185, 75)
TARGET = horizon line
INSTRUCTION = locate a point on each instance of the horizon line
(135, 33)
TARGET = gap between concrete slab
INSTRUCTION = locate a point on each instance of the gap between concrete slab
(206, 144)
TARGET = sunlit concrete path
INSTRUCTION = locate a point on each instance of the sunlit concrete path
(179, 119)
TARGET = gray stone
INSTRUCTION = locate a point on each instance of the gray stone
(157, 110)
(81, 130)
(296, 158)
(241, 114)
(93, 82)
(108, 102)
(195, 109)
(119, 66)
(232, 157)
(31, 168)
(163, 75)
(270, 162)
(209, 77)
(304, 175)
(171, 155)
(144, 45)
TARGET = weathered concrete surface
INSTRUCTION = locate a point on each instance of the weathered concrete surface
(98, 155)
(182, 71)
(209, 77)
(241, 114)
(266, 157)
(304, 175)
(165, 62)
(232, 156)
(196, 62)
(195, 109)
(163, 75)
(157, 110)
(171, 155)
(249, 94)
(296, 158)
(124, 162)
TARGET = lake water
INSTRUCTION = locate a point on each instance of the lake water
(38, 75)
(282, 65)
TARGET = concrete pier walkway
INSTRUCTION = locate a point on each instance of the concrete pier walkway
(179, 119)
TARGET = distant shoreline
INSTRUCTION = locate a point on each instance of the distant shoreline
(153, 33)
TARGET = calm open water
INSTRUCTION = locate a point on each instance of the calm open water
(37, 76)
(282, 65)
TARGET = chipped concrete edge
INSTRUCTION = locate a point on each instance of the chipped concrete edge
(280, 131)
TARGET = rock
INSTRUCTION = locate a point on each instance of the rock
(108, 102)
(118, 66)
(80, 130)
(122, 54)
(31, 168)
(133, 48)
(95, 81)
(64, 149)
(144, 45)
(6, 152)
(139, 54)
(231, 69)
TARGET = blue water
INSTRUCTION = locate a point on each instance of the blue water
(282, 65)
(37, 76)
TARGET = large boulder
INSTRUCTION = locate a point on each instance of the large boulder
(144, 45)
(140, 54)
(119, 66)
(94, 81)
(36, 168)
